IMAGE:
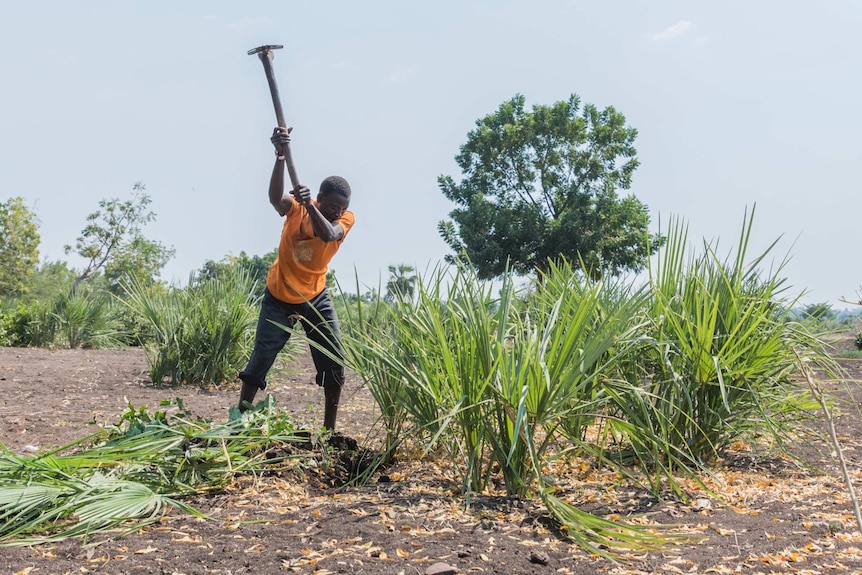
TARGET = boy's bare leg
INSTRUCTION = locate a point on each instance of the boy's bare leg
(332, 395)
(249, 390)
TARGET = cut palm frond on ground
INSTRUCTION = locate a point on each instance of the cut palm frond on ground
(130, 474)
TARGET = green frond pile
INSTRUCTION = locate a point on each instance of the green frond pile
(129, 474)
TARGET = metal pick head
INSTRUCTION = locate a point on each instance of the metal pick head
(267, 48)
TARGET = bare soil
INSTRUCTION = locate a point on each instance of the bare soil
(773, 515)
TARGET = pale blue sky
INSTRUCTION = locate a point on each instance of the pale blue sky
(736, 102)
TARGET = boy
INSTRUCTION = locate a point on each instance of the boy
(296, 284)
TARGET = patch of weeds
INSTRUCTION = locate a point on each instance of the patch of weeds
(850, 354)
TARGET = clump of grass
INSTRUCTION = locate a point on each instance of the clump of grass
(489, 375)
(201, 334)
(88, 320)
(716, 363)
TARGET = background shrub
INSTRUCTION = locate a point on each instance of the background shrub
(200, 335)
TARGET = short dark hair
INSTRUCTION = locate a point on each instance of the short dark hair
(335, 185)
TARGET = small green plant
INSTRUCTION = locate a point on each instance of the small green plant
(87, 320)
(858, 341)
(33, 324)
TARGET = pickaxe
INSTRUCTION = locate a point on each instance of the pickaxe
(265, 54)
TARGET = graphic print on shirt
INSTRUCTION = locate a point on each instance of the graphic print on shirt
(303, 251)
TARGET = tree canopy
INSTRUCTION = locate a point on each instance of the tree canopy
(817, 311)
(113, 243)
(257, 267)
(402, 282)
(19, 246)
(543, 184)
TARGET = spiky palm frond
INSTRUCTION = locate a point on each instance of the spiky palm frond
(131, 473)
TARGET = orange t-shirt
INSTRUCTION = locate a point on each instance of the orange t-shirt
(299, 272)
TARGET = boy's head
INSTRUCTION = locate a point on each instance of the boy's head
(334, 197)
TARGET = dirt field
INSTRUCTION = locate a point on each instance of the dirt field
(775, 516)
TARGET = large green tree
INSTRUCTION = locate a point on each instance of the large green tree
(19, 246)
(544, 184)
(113, 243)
